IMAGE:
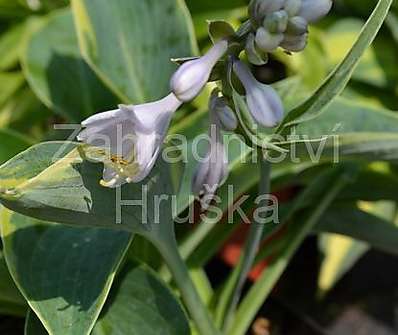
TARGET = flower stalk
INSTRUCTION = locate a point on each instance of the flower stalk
(230, 297)
(168, 247)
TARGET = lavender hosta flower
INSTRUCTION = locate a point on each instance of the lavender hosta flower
(314, 10)
(133, 136)
(222, 113)
(189, 80)
(211, 172)
(263, 102)
(213, 169)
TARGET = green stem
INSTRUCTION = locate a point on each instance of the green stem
(193, 302)
(258, 293)
(233, 290)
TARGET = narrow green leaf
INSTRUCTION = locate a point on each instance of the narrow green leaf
(339, 78)
(332, 181)
(353, 222)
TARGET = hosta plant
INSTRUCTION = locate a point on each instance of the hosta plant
(130, 155)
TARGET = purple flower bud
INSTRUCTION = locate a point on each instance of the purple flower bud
(295, 43)
(189, 80)
(266, 41)
(314, 10)
(263, 102)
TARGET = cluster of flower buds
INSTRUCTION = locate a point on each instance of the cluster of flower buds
(133, 135)
(281, 23)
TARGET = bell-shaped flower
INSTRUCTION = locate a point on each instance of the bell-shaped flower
(131, 138)
(212, 170)
(263, 102)
(314, 10)
(189, 80)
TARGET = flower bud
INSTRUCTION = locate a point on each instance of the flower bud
(295, 43)
(255, 56)
(263, 102)
(314, 10)
(297, 26)
(221, 113)
(189, 80)
(276, 22)
(258, 9)
(292, 7)
(266, 41)
(211, 172)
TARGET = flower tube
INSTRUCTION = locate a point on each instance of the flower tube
(213, 170)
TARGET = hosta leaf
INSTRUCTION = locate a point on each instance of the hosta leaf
(12, 9)
(9, 84)
(139, 303)
(64, 273)
(356, 223)
(68, 190)
(25, 113)
(33, 325)
(144, 35)
(11, 301)
(340, 253)
(10, 45)
(11, 143)
(58, 74)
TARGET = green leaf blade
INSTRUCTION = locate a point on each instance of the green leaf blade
(130, 43)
